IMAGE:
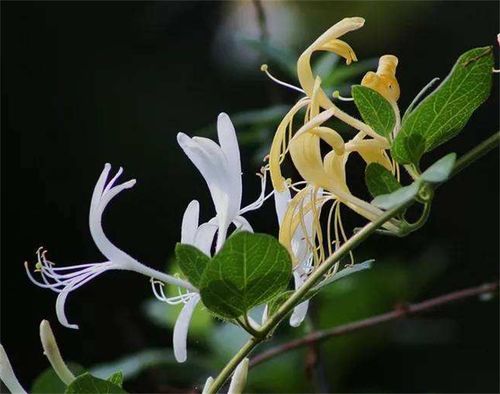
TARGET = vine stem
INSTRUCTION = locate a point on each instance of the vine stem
(399, 312)
(342, 251)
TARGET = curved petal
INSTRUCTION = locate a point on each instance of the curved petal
(181, 329)
(204, 238)
(229, 144)
(300, 311)
(190, 223)
(242, 224)
(7, 375)
(281, 201)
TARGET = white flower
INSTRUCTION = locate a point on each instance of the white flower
(221, 168)
(64, 280)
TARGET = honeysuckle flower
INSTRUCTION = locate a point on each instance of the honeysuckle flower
(7, 375)
(220, 166)
(64, 280)
(202, 237)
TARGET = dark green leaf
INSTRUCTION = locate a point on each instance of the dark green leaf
(48, 382)
(192, 262)
(398, 197)
(442, 114)
(440, 170)
(380, 180)
(116, 378)
(285, 59)
(375, 110)
(249, 270)
(88, 384)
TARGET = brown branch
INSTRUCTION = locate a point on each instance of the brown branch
(399, 312)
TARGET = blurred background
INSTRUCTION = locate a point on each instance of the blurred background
(88, 83)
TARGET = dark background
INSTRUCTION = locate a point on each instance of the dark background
(88, 83)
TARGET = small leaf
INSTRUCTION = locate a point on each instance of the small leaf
(375, 110)
(380, 180)
(249, 270)
(192, 262)
(440, 170)
(88, 384)
(345, 272)
(399, 197)
(49, 383)
(442, 114)
(116, 378)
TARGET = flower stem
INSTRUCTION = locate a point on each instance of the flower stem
(342, 251)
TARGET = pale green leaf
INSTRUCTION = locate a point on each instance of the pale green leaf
(440, 170)
(399, 197)
(375, 110)
(443, 114)
(249, 270)
(380, 180)
(88, 384)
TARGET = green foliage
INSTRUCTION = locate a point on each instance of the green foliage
(48, 382)
(192, 262)
(399, 197)
(436, 173)
(442, 114)
(380, 180)
(249, 270)
(375, 110)
(88, 384)
(116, 378)
(440, 170)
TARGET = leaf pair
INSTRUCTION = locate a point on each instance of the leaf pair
(389, 193)
(250, 270)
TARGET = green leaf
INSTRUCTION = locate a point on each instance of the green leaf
(400, 196)
(346, 73)
(48, 381)
(192, 262)
(285, 59)
(380, 180)
(440, 170)
(277, 301)
(249, 270)
(345, 272)
(375, 110)
(116, 378)
(442, 114)
(88, 384)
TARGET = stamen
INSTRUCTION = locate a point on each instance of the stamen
(265, 68)
(336, 95)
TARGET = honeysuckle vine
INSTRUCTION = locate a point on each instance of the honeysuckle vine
(229, 269)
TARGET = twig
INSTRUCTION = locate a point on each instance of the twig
(410, 309)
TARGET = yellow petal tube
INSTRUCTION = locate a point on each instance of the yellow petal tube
(327, 41)
(279, 145)
(384, 80)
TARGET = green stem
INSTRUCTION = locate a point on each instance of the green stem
(475, 153)
(232, 364)
(342, 251)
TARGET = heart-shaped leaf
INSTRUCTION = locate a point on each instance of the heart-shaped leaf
(399, 197)
(249, 270)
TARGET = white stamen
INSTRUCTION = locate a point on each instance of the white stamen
(265, 68)
(336, 95)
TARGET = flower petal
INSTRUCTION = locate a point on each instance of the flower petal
(242, 224)
(190, 223)
(7, 375)
(181, 329)
(229, 143)
(300, 311)
(281, 201)
(204, 238)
